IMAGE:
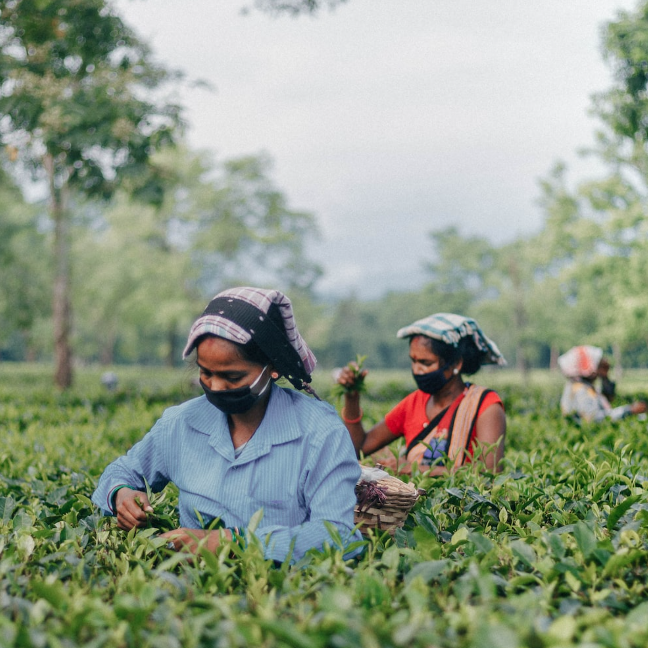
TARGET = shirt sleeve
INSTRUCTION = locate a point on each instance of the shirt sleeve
(329, 493)
(617, 413)
(492, 398)
(145, 463)
(395, 419)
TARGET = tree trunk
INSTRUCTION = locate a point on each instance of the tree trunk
(553, 357)
(30, 349)
(61, 305)
(107, 356)
(521, 363)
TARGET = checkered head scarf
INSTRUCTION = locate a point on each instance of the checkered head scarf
(450, 328)
(242, 314)
(580, 361)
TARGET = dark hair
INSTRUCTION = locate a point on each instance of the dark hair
(466, 350)
(251, 351)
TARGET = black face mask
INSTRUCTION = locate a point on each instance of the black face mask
(433, 381)
(235, 401)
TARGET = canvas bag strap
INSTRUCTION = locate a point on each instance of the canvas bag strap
(463, 423)
(417, 446)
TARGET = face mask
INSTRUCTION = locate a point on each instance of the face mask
(235, 401)
(431, 382)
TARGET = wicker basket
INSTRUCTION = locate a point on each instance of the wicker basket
(384, 503)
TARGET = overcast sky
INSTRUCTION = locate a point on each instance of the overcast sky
(391, 118)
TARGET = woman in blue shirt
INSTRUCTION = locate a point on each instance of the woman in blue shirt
(247, 444)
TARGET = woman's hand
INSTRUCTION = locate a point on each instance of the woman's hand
(132, 508)
(638, 407)
(380, 435)
(189, 540)
(350, 376)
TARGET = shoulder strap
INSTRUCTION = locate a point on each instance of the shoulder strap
(462, 426)
(417, 448)
(427, 429)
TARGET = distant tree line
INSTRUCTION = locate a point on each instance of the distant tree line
(138, 231)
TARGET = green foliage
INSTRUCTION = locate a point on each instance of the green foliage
(80, 110)
(146, 273)
(625, 106)
(78, 77)
(369, 328)
(550, 552)
(248, 232)
(461, 267)
(356, 367)
(25, 267)
(142, 273)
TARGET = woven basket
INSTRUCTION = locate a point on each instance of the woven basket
(384, 504)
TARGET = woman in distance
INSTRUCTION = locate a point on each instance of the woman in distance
(445, 417)
(582, 365)
(245, 445)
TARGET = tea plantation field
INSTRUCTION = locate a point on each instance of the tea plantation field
(550, 552)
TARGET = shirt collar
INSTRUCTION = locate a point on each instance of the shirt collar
(279, 425)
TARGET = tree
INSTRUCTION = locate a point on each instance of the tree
(247, 231)
(460, 269)
(624, 108)
(619, 269)
(617, 266)
(24, 267)
(149, 270)
(138, 286)
(80, 111)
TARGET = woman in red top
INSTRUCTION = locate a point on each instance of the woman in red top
(445, 419)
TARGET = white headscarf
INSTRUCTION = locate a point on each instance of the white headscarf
(580, 361)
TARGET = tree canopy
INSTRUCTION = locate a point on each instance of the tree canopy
(83, 112)
(78, 99)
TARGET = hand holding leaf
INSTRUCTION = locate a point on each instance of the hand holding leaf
(351, 378)
(132, 508)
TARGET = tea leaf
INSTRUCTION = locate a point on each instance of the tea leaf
(359, 385)
(620, 510)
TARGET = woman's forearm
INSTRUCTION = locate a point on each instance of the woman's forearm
(352, 417)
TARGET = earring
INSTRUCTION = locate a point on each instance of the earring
(274, 375)
(455, 371)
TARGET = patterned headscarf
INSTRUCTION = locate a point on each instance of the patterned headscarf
(241, 314)
(580, 361)
(450, 328)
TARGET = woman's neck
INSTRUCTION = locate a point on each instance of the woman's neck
(449, 392)
(243, 426)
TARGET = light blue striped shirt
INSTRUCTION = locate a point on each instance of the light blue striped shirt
(299, 467)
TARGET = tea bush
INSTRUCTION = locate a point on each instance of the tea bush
(550, 552)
